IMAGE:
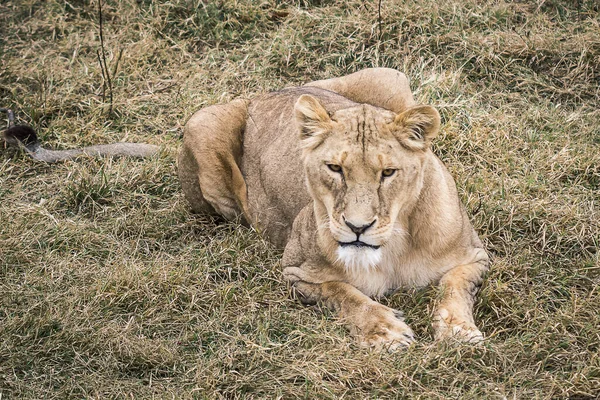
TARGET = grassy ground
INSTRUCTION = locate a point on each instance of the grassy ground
(111, 288)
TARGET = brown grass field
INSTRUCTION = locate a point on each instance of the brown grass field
(111, 288)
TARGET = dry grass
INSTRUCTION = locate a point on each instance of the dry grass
(110, 288)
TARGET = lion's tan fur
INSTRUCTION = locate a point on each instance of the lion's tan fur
(304, 165)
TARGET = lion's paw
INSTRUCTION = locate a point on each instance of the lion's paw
(446, 327)
(385, 329)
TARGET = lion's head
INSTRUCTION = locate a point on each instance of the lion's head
(364, 169)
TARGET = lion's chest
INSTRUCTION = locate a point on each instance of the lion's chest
(397, 270)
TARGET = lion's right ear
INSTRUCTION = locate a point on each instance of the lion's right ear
(417, 126)
(313, 121)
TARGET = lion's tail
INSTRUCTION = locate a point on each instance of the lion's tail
(25, 137)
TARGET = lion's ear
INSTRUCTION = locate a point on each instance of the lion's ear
(312, 119)
(417, 126)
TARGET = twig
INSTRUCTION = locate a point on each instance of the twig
(116, 66)
(103, 76)
(379, 24)
(103, 64)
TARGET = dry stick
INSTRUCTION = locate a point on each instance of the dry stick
(103, 64)
(379, 24)
(116, 66)
(103, 76)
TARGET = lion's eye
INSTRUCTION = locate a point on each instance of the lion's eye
(386, 173)
(334, 168)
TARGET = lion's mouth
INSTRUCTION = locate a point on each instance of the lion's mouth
(358, 243)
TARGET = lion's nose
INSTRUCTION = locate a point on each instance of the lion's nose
(359, 230)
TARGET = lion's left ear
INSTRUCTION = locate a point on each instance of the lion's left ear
(417, 126)
(312, 119)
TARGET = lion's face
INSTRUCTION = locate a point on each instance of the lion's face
(364, 167)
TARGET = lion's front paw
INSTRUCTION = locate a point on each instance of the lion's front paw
(384, 329)
(446, 327)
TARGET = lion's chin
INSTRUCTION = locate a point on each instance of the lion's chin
(357, 258)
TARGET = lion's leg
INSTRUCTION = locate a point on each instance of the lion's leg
(316, 281)
(209, 159)
(380, 87)
(453, 316)
(375, 325)
(188, 178)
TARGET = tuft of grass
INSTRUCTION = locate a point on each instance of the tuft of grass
(111, 288)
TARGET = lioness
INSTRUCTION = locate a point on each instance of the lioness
(341, 175)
